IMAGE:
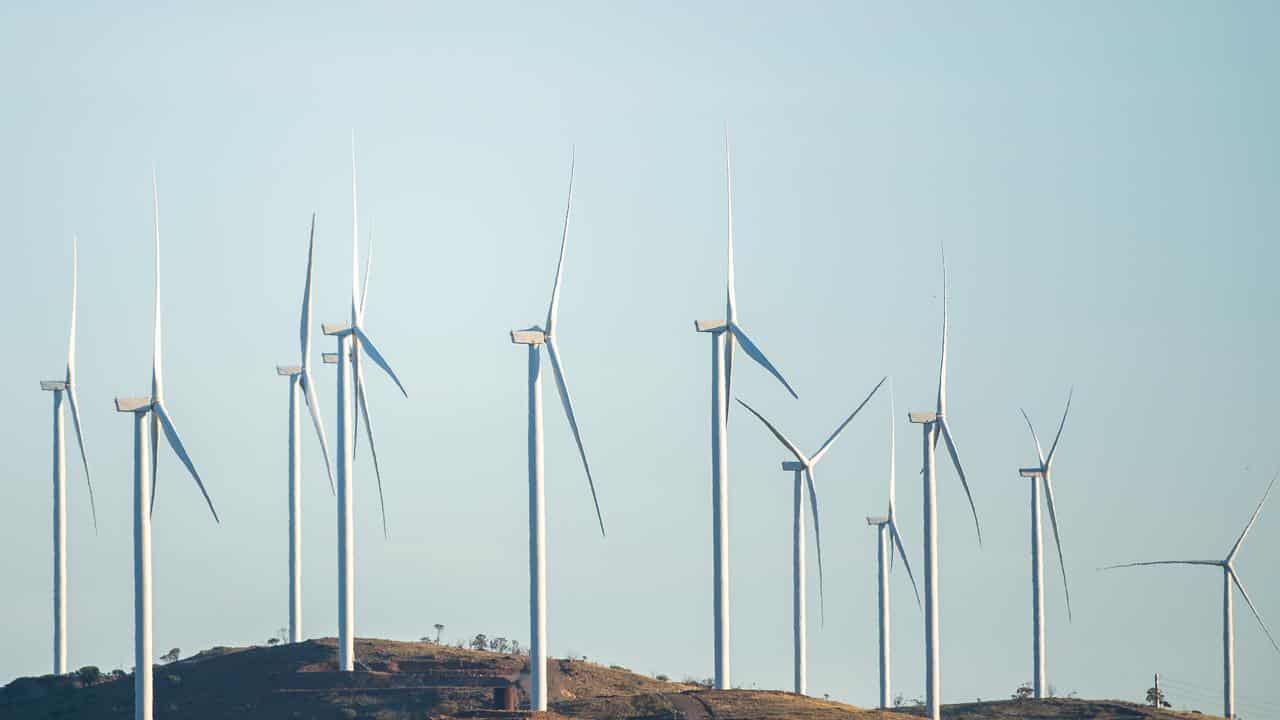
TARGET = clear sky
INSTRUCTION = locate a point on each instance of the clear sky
(1105, 177)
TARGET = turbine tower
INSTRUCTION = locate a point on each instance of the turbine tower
(1230, 576)
(352, 343)
(936, 428)
(145, 456)
(1042, 473)
(301, 386)
(725, 334)
(887, 539)
(65, 386)
(802, 469)
(535, 338)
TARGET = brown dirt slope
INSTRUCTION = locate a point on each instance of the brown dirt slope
(417, 681)
(395, 681)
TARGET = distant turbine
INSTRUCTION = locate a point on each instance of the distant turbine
(802, 468)
(725, 334)
(1041, 472)
(352, 339)
(936, 428)
(58, 387)
(144, 460)
(888, 538)
(1229, 576)
(301, 385)
(536, 337)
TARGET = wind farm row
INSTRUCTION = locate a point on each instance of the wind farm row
(354, 350)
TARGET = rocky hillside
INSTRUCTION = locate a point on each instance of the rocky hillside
(417, 681)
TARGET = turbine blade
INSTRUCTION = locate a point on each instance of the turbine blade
(175, 442)
(893, 471)
(942, 367)
(1057, 539)
(313, 406)
(155, 456)
(157, 384)
(1240, 586)
(84, 458)
(729, 344)
(1036, 438)
(800, 456)
(71, 342)
(817, 536)
(377, 358)
(304, 331)
(373, 450)
(368, 268)
(827, 445)
(157, 389)
(357, 380)
(754, 353)
(71, 378)
(1240, 541)
(553, 308)
(1054, 447)
(562, 385)
(731, 300)
(902, 552)
(355, 237)
(955, 460)
(1214, 563)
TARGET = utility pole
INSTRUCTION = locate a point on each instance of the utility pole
(1156, 700)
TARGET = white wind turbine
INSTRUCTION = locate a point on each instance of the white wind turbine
(725, 334)
(802, 469)
(352, 343)
(145, 457)
(58, 387)
(936, 428)
(1230, 576)
(1042, 473)
(535, 338)
(887, 538)
(301, 388)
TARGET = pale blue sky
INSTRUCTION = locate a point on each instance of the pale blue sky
(1105, 177)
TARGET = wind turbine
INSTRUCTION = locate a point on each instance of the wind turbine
(1229, 576)
(144, 462)
(352, 341)
(802, 469)
(888, 538)
(1039, 473)
(535, 338)
(725, 334)
(936, 428)
(58, 387)
(301, 386)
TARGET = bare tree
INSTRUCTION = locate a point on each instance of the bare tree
(439, 629)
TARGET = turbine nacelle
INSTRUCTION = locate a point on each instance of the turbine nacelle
(529, 336)
(337, 329)
(329, 358)
(53, 385)
(288, 370)
(923, 418)
(711, 326)
(1031, 472)
(877, 521)
(793, 465)
(134, 404)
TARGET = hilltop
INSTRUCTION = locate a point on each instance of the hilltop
(416, 681)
